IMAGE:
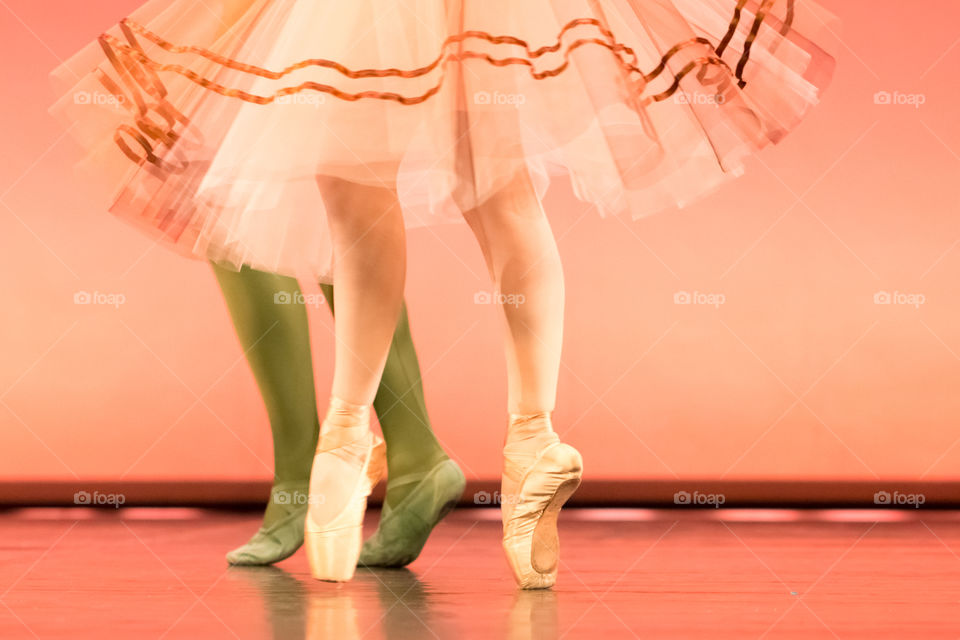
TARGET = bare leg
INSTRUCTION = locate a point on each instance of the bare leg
(401, 408)
(539, 471)
(424, 483)
(525, 269)
(369, 247)
(369, 250)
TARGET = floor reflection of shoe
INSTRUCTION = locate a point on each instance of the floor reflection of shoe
(342, 477)
(406, 606)
(284, 598)
(533, 615)
(404, 529)
(530, 538)
(332, 615)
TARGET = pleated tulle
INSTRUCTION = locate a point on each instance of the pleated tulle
(207, 123)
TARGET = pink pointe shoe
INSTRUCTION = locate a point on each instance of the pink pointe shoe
(530, 511)
(344, 472)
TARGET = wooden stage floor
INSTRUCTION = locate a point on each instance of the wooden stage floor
(160, 573)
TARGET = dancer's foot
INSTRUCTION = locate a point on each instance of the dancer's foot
(349, 462)
(539, 474)
(281, 533)
(405, 525)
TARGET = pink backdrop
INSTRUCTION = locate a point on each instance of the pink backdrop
(797, 374)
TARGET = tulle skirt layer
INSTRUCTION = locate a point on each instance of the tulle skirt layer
(207, 123)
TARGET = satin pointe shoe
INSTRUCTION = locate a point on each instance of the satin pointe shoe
(530, 538)
(404, 529)
(345, 470)
(281, 539)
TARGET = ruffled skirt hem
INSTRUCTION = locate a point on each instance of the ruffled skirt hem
(208, 125)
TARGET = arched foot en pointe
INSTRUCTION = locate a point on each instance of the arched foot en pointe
(348, 464)
(530, 538)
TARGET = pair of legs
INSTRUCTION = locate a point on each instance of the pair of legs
(524, 265)
(276, 341)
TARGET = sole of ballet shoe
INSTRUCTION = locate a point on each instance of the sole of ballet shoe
(333, 548)
(534, 561)
(545, 549)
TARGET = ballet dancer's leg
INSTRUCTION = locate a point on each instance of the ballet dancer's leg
(539, 471)
(524, 266)
(275, 339)
(401, 408)
(369, 251)
(423, 482)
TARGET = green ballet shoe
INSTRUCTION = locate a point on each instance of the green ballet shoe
(404, 529)
(281, 539)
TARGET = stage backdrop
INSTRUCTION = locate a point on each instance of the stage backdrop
(801, 323)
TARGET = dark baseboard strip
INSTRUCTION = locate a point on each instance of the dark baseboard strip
(593, 493)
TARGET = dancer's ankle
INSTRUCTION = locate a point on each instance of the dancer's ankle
(529, 429)
(346, 414)
(345, 422)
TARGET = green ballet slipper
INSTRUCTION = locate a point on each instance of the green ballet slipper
(284, 535)
(405, 528)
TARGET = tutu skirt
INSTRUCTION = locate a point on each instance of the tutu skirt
(206, 123)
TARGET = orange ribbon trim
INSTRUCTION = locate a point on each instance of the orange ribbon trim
(147, 94)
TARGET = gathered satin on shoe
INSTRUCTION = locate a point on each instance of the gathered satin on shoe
(350, 460)
(404, 529)
(539, 475)
(527, 435)
(282, 537)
